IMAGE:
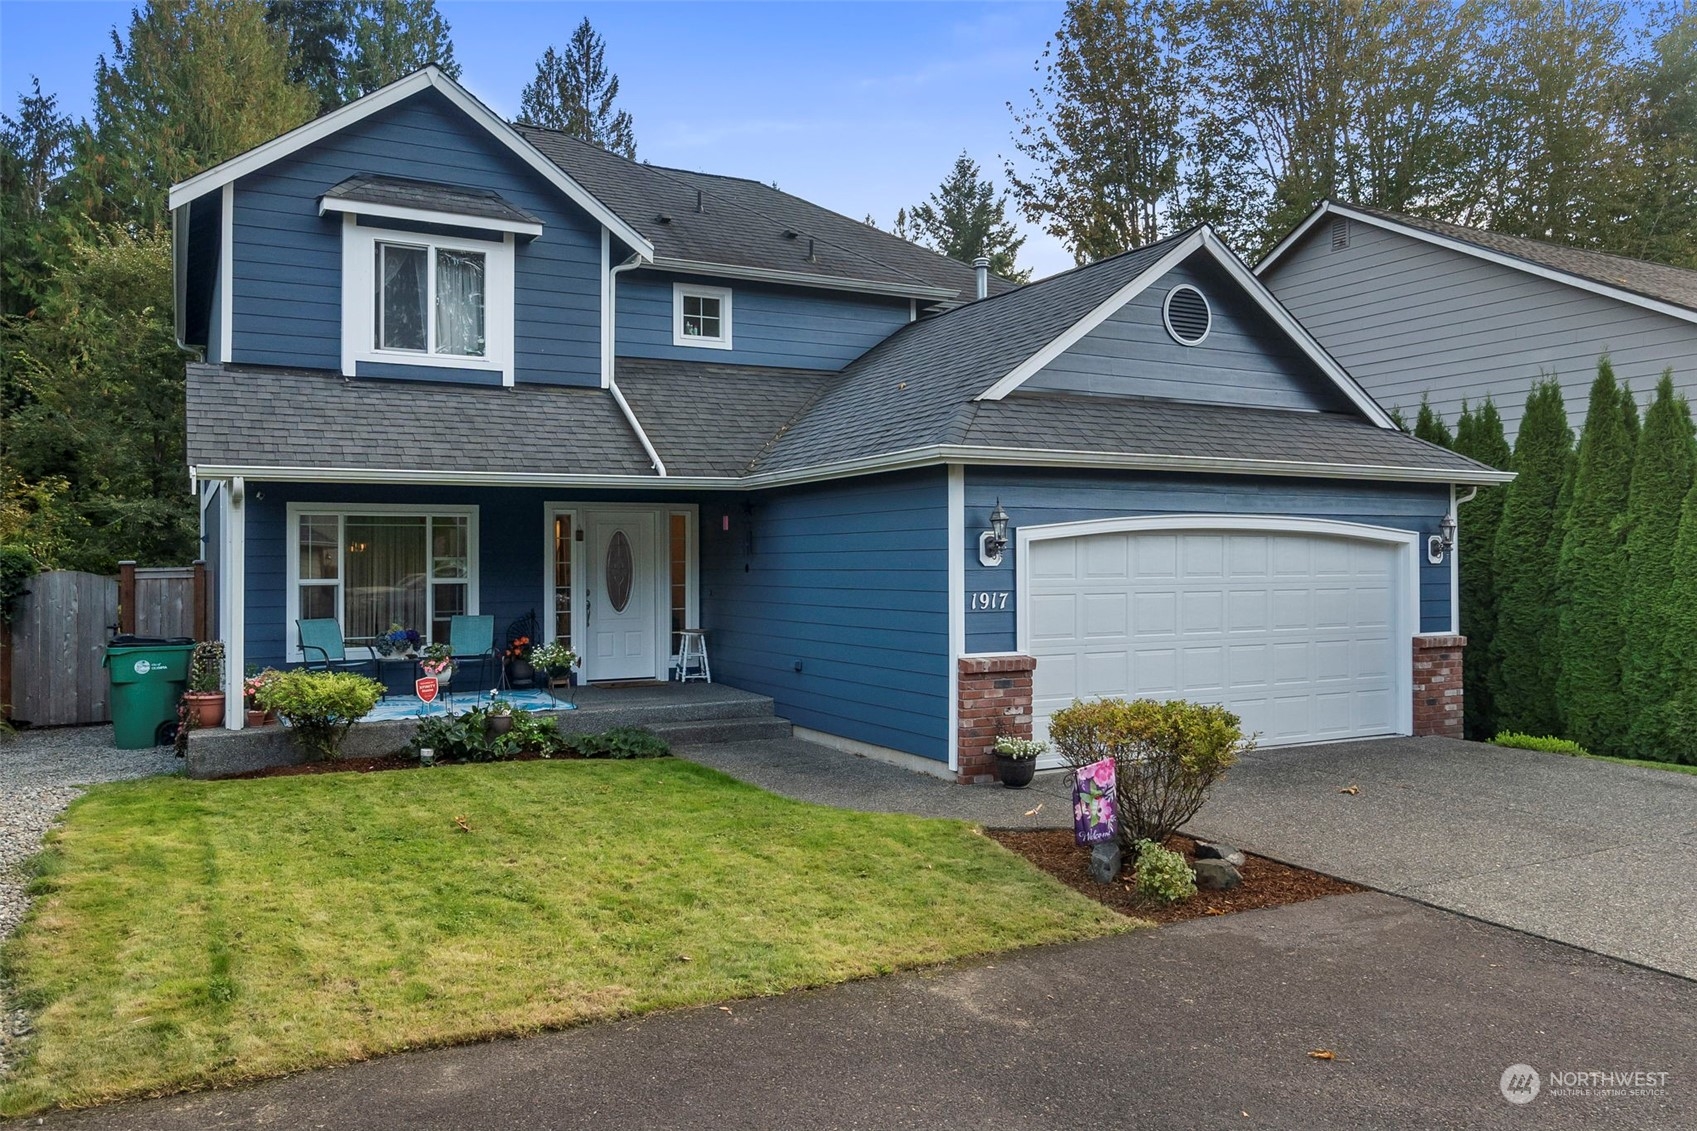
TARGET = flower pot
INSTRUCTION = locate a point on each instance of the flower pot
(1016, 773)
(256, 718)
(205, 708)
(500, 724)
(520, 673)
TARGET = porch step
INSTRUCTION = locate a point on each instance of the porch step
(698, 732)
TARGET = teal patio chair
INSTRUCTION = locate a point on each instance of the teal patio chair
(322, 647)
(472, 640)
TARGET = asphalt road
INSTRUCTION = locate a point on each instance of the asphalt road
(1205, 1024)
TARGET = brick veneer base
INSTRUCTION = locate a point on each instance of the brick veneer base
(1437, 685)
(995, 699)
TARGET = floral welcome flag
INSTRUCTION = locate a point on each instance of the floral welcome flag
(1094, 818)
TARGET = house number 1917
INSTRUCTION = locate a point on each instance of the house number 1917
(987, 602)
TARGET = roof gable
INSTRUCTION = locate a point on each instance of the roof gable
(430, 78)
(1653, 286)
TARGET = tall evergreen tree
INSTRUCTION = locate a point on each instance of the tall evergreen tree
(35, 150)
(1591, 575)
(966, 218)
(1525, 662)
(1658, 215)
(1662, 476)
(1678, 718)
(317, 34)
(389, 40)
(574, 92)
(193, 83)
(1430, 426)
(1479, 435)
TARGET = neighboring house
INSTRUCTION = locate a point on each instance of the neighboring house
(1418, 308)
(454, 365)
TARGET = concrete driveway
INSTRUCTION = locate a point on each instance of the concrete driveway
(1205, 1024)
(1599, 855)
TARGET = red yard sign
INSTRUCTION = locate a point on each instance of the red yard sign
(426, 688)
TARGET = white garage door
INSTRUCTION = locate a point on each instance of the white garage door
(1294, 632)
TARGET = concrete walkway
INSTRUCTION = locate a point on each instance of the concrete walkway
(1206, 1024)
(1591, 853)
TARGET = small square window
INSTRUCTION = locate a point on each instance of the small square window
(701, 316)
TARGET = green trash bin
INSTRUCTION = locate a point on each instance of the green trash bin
(148, 676)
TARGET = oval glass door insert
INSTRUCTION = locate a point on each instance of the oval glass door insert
(620, 568)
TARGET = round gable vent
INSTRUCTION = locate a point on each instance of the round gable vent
(1187, 315)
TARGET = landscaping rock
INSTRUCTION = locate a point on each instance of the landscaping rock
(1206, 851)
(1217, 875)
(1105, 862)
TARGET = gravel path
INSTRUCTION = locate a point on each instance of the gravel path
(40, 772)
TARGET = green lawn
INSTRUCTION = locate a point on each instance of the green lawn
(193, 933)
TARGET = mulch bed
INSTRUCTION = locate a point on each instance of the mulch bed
(1266, 883)
(367, 765)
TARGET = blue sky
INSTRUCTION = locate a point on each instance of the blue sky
(860, 107)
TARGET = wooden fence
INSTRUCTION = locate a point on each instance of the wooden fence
(50, 668)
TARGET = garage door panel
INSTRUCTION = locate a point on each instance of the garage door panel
(1293, 632)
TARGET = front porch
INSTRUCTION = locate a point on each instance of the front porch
(678, 712)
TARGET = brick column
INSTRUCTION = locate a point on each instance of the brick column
(995, 699)
(1437, 685)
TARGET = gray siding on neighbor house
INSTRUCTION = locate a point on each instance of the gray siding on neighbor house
(1040, 498)
(1244, 360)
(288, 259)
(770, 326)
(1409, 318)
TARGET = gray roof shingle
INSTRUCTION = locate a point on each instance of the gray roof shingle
(743, 222)
(288, 418)
(1675, 285)
(403, 192)
(714, 419)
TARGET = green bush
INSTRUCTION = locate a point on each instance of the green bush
(319, 706)
(18, 568)
(1166, 756)
(1538, 742)
(466, 738)
(620, 742)
(1162, 874)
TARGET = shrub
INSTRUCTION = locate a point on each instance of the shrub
(620, 742)
(1162, 873)
(18, 568)
(319, 706)
(1539, 742)
(1166, 756)
(466, 738)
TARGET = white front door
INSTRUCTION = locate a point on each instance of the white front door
(622, 633)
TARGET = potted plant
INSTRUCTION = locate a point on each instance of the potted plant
(1016, 760)
(398, 641)
(252, 687)
(520, 671)
(500, 717)
(438, 661)
(204, 700)
(556, 658)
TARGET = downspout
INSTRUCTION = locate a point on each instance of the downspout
(1455, 556)
(610, 330)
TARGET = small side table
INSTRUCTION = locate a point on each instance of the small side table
(387, 664)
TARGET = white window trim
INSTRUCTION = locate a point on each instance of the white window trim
(359, 296)
(680, 291)
(429, 216)
(1405, 607)
(578, 514)
(291, 543)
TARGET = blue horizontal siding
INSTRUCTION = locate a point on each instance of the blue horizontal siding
(1038, 498)
(849, 579)
(288, 259)
(783, 327)
(1245, 359)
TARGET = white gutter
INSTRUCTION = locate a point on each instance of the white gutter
(897, 461)
(609, 354)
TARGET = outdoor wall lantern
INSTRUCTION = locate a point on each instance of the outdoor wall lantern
(993, 541)
(1441, 543)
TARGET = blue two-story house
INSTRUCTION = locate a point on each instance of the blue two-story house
(458, 366)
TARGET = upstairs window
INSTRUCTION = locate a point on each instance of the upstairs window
(414, 300)
(701, 316)
(430, 300)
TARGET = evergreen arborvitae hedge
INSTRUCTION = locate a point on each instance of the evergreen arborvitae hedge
(1429, 426)
(1678, 717)
(1591, 574)
(1662, 477)
(1523, 662)
(1479, 435)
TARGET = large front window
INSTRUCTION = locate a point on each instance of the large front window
(430, 300)
(371, 570)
